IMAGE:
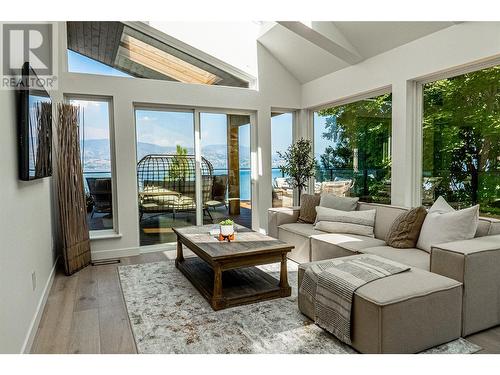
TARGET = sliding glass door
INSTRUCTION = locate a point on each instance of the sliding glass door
(175, 185)
(166, 174)
(225, 146)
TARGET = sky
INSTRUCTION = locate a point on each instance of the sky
(320, 143)
(232, 42)
(96, 118)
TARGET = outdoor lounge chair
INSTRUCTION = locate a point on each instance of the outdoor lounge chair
(101, 192)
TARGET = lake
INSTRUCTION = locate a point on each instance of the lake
(245, 177)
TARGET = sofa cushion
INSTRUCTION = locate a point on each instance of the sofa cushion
(412, 257)
(338, 203)
(298, 235)
(308, 203)
(302, 229)
(487, 226)
(404, 313)
(335, 245)
(352, 222)
(384, 218)
(444, 224)
(404, 231)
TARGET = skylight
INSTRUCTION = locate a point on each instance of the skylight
(142, 51)
(163, 62)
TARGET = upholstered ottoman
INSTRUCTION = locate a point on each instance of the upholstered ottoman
(404, 313)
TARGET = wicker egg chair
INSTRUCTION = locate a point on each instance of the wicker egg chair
(166, 183)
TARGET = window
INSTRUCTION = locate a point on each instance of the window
(95, 148)
(461, 141)
(352, 147)
(281, 139)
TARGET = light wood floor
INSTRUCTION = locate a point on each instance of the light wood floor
(85, 313)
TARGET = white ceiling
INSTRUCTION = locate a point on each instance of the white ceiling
(310, 53)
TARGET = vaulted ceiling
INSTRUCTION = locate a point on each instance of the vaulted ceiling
(311, 50)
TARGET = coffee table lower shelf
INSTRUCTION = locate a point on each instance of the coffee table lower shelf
(239, 286)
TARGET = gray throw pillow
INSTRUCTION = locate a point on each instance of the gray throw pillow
(308, 203)
(443, 224)
(348, 222)
(404, 231)
(338, 203)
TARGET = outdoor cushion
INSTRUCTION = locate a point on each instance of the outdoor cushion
(335, 245)
(308, 203)
(338, 203)
(404, 231)
(337, 221)
(412, 257)
(444, 224)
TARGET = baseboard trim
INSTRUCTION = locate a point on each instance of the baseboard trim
(30, 337)
(115, 253)
(156, 248)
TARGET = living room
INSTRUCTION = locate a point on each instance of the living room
(232, 186)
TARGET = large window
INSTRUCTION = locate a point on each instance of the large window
(281, 139)
(352, 147)
(95, 148)
(461, 140)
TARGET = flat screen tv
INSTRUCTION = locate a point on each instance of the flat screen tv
(34, 127)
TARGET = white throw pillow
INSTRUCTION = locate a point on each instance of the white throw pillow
(444, 224)
(349, 222)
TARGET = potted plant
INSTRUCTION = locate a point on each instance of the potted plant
(226, 228)
(298, 163)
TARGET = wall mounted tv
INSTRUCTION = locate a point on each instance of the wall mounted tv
(34, 128)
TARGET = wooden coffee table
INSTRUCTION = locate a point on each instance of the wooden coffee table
(225, 273)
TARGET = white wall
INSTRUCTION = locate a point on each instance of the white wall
(277, 88)
(454, 47)
(26, 243)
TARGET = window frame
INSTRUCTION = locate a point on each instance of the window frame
(416, 97)
(113, 232)
(344, 101)
(196, 111)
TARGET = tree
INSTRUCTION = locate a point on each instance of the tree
(179, 167)
(298, 163)
(360, 135)
(461, 137)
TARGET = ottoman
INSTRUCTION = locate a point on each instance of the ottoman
(404, 313)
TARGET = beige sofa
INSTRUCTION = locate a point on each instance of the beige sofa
(473, 264)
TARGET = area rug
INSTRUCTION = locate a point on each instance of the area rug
(168, 315)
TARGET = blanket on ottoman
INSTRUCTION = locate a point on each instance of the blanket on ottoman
(330, 287)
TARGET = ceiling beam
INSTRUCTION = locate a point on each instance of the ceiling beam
(326, 36)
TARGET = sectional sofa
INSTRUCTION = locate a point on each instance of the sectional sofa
(450, 292)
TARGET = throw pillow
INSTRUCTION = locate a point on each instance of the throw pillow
(404, 231)
(349, 222)
(308, 203)
(444, 224)
(338, 203)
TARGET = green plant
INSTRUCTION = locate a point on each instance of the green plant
(226, 222)
(298, 164)
(179, 167)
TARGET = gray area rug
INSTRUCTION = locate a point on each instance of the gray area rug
(168, 315)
